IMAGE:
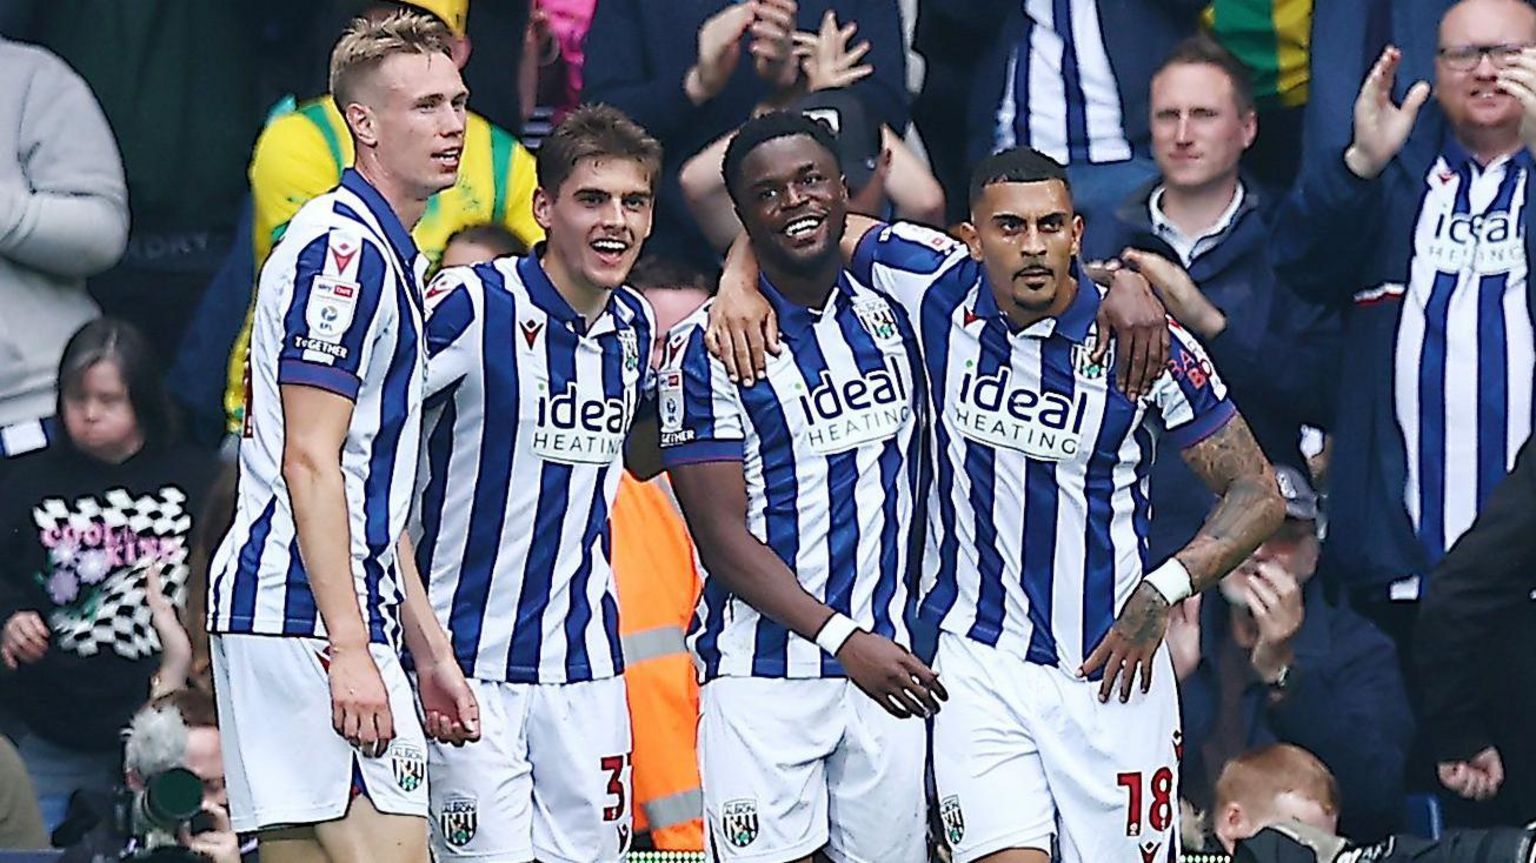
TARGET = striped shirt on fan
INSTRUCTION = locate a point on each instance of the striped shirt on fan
(1039, 515)
(1464, 357)
(829, 446)
(1060, 94)
(338, 308)
(528, 409)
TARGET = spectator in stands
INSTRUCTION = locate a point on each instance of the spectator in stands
(479, 243)
(1418, 232)
(1271, 39)
(554, 55)
(179, 83)
(21, 824)
(1200, 234)
(1268, 658)
(1074, 88)
(301, 154)
(63, 217)
(677, 69)
(179, 729)
(1346, 39)
(951, 36)
(1273, 783)
(93, 547)
(1476, 712)
(881, 172)
(658, 588)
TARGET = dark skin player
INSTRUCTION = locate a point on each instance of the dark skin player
(1027, 234)
(793, 180)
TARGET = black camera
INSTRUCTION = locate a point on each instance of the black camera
(1296, 843)
(153, 817)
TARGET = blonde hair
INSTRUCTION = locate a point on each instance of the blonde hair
(1255, 778)
(366, 44)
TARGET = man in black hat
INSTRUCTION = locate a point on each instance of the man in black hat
(1270, 660)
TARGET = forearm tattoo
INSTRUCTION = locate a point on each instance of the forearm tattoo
(1232, 465)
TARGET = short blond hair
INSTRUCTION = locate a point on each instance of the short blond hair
(367, 44)
(1257, 777)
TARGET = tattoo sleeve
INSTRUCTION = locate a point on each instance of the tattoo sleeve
(1232, 465)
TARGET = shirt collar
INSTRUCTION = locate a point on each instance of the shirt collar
(1458, 157)
(530, 268)
(1163, 226)
(394, 230)
(795, 317)
(1074, 321)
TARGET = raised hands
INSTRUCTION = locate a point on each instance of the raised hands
(1382, 127)
(826, 58)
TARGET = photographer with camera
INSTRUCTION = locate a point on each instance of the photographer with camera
(172, 806)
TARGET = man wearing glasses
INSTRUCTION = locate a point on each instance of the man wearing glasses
(1418, 230)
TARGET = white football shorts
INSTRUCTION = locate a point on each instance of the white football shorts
(1025, 755)
(790, 766)
(284, 764)
(549, 778)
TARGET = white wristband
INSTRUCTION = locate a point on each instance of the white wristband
(835, 632)
(1171, 580)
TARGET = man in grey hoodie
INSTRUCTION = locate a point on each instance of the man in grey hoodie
(63, 217)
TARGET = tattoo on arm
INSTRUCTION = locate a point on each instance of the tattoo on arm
(1232, 465)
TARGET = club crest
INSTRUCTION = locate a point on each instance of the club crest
(1082, 358)
(878, 319)
(953, 819)
(410, 766)
(458, 821)
(631, 346)
(738, 820)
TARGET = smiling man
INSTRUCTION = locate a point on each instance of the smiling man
(1420, 230)
(537, 368)
(1034, 570)
(800, 493)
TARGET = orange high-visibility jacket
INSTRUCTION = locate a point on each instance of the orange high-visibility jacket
(653, 567)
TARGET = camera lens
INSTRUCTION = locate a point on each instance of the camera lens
(172, 798)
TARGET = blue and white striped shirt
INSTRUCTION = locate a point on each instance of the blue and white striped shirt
(1038, 519)
(528, 408)
(338, 307)
(1464, 356)
(829, 445)
(1060, 95)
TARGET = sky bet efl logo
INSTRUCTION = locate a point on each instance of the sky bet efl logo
(1046, 426)
(572, 430)
(843, 414)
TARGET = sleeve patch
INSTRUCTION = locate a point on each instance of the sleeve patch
(923, 235)
(670, 407)
(331, 306)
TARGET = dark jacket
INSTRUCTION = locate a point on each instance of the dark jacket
(640, 51)
(1278, 355)
(1338, 239)
(1488, 573)
(1138, 35)
(1346, 40)
(1347, 705)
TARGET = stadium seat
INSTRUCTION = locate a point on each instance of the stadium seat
(1422, 816)
(31, 856)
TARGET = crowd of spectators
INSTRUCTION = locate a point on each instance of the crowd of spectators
(1332, 199)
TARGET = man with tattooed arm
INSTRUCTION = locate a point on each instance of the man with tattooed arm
(1034, 569)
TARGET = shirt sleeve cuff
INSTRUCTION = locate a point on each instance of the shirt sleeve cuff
(1203, 426)
(700, 451)
(334, 380)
